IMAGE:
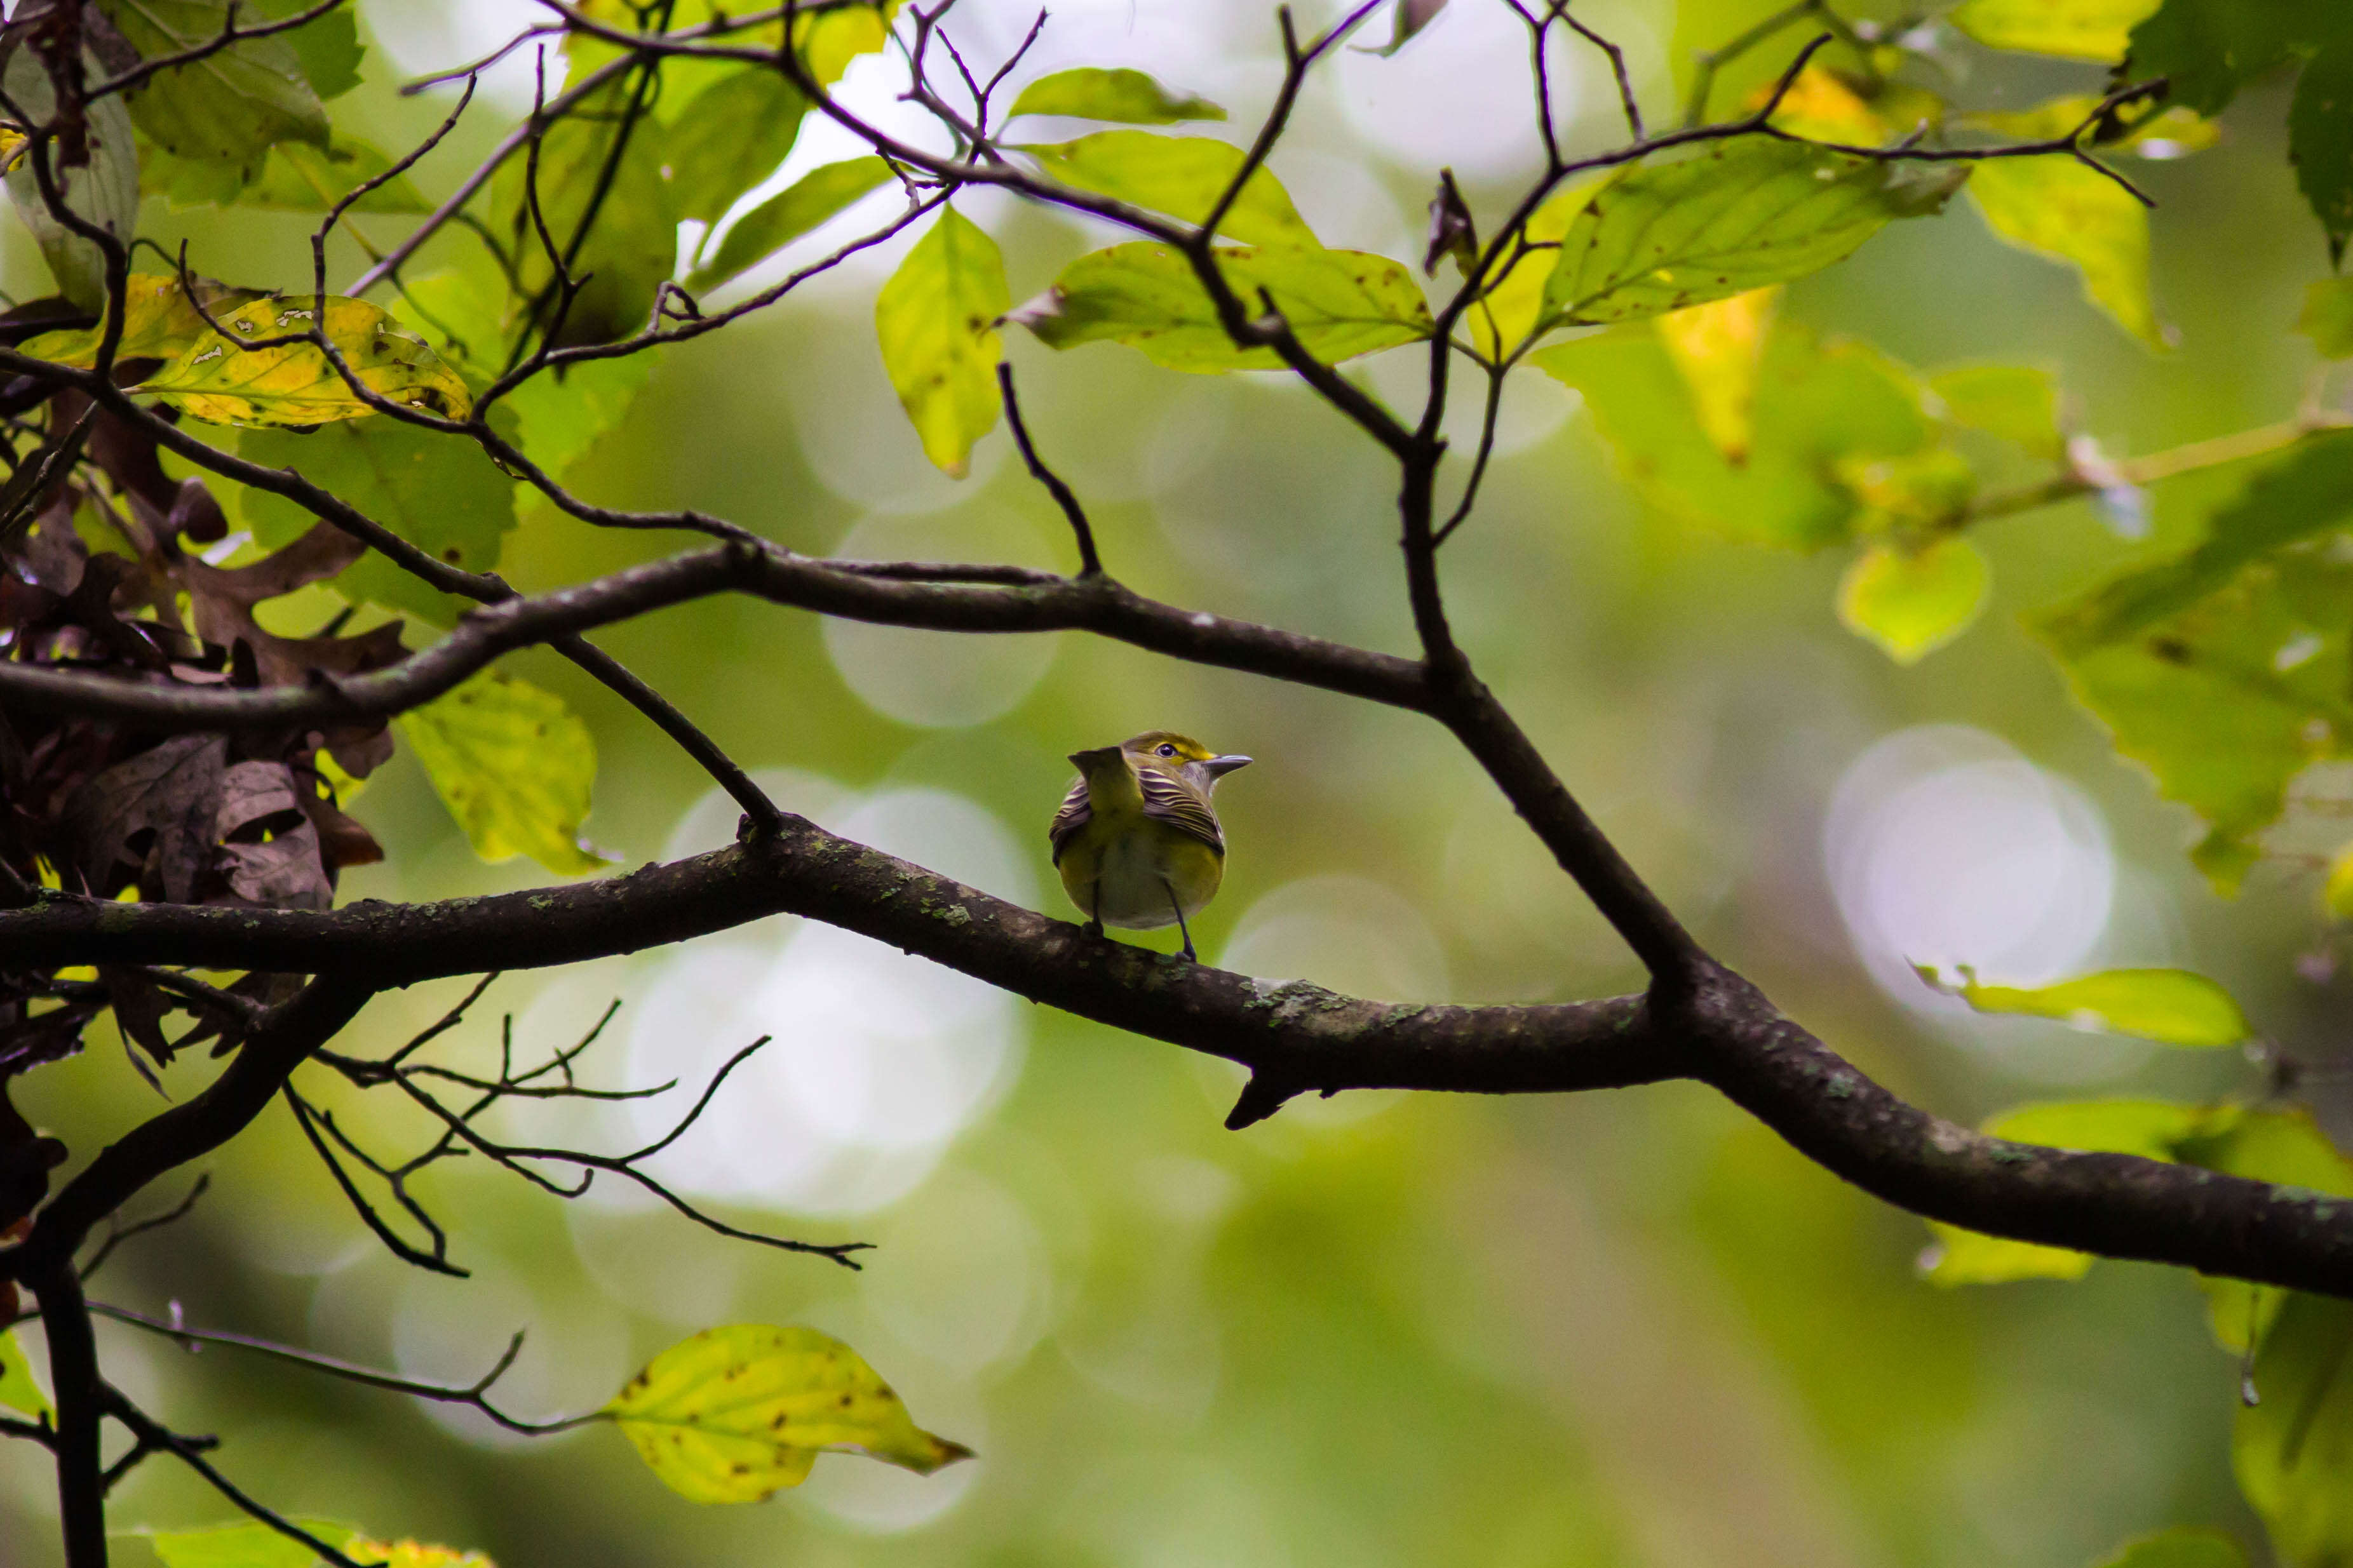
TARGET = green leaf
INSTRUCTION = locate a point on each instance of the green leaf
(2327, 318)
(561, 414)
(2207, 49)
(2095, 30)
(229, 107)
(1817, 406)
(246, 1545)
(438, 493)
(1182, 176)
(1512, 308)
(158, 322)
(631, 245)
(105, 193)
(295, 177)
(2219, 670)
(2152, 1128)
(936, 320)
(1912, 602)
(2320, 141)
(1340, 303)
(2293, 1450)
(2057, 208)
(732, 135)
(2308, 494)
(216, 378)
(329, 46)
(2202, 706)
(556, 418)
(1971, 1258)
(733, 1415)
(2180, 1548)
(1130, 96)
(1738, 216)
(18, 1391)
(514, 765)
(2014, 402)
(784, 217)
(2285, 1148)
(2171, 1007)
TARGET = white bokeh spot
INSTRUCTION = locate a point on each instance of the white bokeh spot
(1946, 847)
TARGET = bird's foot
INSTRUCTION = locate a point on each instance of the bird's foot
(1094, 928)
(1188, 954)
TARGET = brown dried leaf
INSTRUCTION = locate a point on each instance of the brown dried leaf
(139, 1007)
(285, 873)
(157, 811)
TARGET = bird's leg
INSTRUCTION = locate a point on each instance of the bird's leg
(1181, 930)
(1094, 917)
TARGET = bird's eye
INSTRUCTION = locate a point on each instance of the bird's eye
(1167, 749)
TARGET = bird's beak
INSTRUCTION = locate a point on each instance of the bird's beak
(1221, 766)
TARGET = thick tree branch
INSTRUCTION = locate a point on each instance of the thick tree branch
(853, 590)
(1294, 1037)
(76, 1385)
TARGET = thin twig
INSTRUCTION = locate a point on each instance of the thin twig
(116, 1237)
(1090, 563)
(474, 1394)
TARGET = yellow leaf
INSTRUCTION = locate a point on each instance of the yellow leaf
(2058, 208)
(2336, 892)
(2097, 30)
(158, 322)
(1820, 106)
(412, 1554)
(732, 1415)
(2170, 133)
(17, 1390)
(1911, 603)
(1719, 348)
(217, 379)
(514, 765)
(1971, 1258)
(831, 40)
(1505, 317)
(935, 319)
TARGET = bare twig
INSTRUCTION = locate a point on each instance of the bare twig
(1090, 563)
(116, 1235)
(474, 1394)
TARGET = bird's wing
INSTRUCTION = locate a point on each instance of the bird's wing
(1073, 816)
(1166, 800)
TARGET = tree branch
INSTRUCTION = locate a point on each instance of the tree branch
(1293, 1037)
(854, 590)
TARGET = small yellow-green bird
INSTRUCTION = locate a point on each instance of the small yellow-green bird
(1137, 841)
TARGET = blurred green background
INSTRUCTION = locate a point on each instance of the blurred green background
(1623, 1328)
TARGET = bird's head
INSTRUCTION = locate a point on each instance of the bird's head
(1168, 751)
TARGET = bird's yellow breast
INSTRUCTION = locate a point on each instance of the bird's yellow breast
(1131, 871)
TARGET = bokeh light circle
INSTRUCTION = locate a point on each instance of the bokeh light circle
(1944, 847)
(941, 679)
